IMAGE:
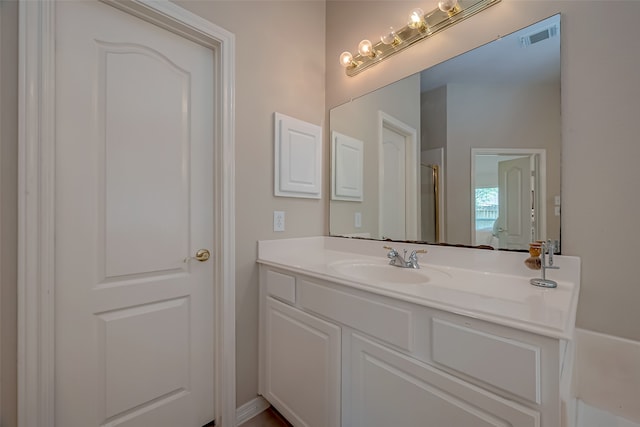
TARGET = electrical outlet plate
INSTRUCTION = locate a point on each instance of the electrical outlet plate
(278, 220)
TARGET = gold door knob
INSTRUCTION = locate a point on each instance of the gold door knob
(203, 255)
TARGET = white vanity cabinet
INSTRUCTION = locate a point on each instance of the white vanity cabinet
(334, 355)
(299, 356)
(389, 388)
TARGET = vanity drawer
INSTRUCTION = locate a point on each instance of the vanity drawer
(389, 323)
(281, 286)
(505, 363)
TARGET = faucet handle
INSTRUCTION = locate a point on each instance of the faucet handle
(392, 252)
(413, 258)
(414, 253)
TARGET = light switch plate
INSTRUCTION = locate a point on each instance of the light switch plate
(357, 219)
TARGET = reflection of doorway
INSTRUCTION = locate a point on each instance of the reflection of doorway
(398, 185)
(508, 197)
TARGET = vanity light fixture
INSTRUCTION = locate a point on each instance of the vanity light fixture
(346, 59)
(451, 7)
(390, 37)
(419, 27)
(365, 48)
(417, 21)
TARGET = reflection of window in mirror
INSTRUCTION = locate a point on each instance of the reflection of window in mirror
(486, 209)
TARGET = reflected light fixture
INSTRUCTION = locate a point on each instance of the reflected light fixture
(420, 26)
(346, 59)
(449, 6)
(417, 21)
(365, 48)
(390, 37)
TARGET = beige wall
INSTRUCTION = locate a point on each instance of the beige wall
(8, 210)
(279, 67)
(359, 119)
(600, 127)
(433, 139)
(433, 124)
(498, 116)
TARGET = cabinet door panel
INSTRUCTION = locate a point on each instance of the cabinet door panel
(302, 366)
(388, 388)
(509, 364)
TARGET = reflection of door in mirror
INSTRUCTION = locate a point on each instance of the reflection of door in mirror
(392, 214)
(508, 197)
(398, 179)
(515, 203)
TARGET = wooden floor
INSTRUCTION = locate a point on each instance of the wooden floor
(268, 418)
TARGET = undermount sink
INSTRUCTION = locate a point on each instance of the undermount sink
(370, 271)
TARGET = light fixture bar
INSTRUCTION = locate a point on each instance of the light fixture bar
(436, 21)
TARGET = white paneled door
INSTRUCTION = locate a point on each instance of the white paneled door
(134, 193)
(515, 226)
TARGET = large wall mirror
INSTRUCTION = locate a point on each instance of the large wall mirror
(466, 152)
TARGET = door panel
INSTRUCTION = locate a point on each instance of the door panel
(302, 366)
(134, 201)
(128, 345)
(393, 185)
(514, 192)
(139, 205)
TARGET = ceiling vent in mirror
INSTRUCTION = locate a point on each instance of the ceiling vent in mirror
(539, 36)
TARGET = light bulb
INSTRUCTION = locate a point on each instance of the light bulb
(365, 48)
(346, 59)
(416, 19)
(449, 6)
(390, 37)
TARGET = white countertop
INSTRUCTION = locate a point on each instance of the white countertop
(484, 284)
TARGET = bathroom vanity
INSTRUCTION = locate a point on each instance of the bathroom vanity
(347, 340)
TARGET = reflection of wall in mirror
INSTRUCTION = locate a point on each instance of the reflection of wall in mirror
(359, 119)
(492, 116)
(433, 140)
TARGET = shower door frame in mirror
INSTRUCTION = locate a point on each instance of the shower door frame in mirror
(455, 114)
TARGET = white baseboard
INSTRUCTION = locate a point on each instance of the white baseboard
(607, 374)
(568, 400)
(251, 409)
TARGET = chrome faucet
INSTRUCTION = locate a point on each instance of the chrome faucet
(401, 261)
(548, 247)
